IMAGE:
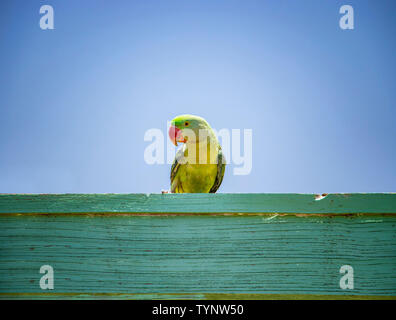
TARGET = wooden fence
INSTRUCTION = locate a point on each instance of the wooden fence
(198, 246)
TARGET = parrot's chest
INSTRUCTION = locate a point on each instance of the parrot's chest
(195, 176)
(198, 178)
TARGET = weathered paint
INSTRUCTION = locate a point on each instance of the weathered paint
(96, 204)
(142, 257)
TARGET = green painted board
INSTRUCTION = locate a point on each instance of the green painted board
(197, 253)
(184, 255)
(374, 203)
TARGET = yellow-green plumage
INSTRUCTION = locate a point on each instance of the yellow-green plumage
(199, 166)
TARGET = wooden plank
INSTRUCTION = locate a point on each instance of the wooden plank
(96, 204)
(143, 257)
(181, 296)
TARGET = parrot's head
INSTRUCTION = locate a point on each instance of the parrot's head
(187, 128)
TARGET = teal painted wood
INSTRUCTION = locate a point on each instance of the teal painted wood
(198, 203)
(150, 255)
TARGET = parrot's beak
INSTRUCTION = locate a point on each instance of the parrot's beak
(175, 134)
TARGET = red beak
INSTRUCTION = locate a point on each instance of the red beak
(175, 134)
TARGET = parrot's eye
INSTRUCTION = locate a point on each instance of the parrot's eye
(186, 123)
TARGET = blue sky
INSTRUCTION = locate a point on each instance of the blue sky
(76, 101)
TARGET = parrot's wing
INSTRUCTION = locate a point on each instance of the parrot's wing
(176, 165)
(221, 163)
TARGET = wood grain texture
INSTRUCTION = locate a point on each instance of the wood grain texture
(96, 204)
(142, 257)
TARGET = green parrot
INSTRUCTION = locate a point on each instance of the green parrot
(199, 166)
